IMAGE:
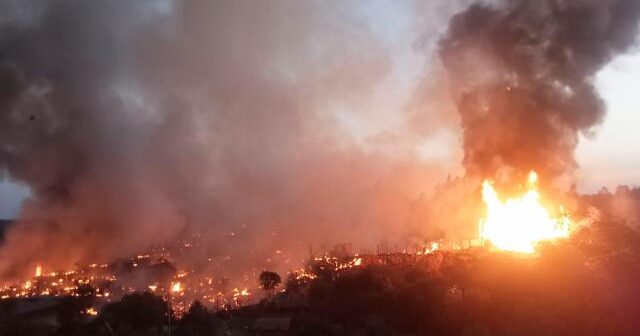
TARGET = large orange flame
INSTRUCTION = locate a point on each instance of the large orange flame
(519, 224)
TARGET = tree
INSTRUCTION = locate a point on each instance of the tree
(269, 280)
(198, 321)
(139, 314)
(70, 311)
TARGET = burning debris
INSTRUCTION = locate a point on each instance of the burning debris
(152, 271)
(430, 248)
(435, 281)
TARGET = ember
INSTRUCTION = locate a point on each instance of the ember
(108, 282)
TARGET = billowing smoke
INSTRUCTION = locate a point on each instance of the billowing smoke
(522, 75)
(133, 123)
(257, 124)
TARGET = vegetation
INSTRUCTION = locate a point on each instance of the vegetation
(583, 286)
(586, 285)
(269, 280)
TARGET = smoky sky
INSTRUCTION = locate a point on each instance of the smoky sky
(132, 124)
(522, 75)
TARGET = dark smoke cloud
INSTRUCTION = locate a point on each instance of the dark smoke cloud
(132, 124)
(522, 73)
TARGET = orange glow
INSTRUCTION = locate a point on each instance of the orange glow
(38, 270)
(519, 224)
(176, 287)
(91, 311)
(434, 246)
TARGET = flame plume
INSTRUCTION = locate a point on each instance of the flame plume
(519, 224)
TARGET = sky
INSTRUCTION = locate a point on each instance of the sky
(11, 196)
(612, 156)
(609, 157)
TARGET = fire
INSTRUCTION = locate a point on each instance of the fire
(241, 296)
(38, 270)
(519, 224)
(91, 311)
(176, 287)
(434, 246)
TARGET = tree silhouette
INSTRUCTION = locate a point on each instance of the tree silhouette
(269, 280)
(198, 321)
(138, 314)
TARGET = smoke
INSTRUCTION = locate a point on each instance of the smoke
(279, 124)
(521, 75)
(133, 124)
(622, 206)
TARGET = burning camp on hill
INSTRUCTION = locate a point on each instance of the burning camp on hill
(184, 167)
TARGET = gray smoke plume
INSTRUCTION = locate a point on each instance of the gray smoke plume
(133, 123)
(522, 75)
